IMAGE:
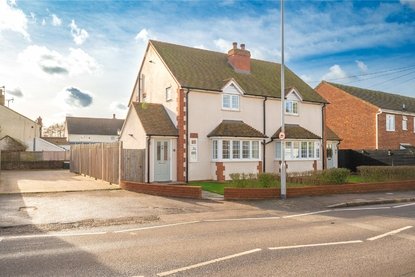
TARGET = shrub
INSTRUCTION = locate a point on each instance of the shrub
(380, 173)
(268, 180)
(243, 180)
(333, 176)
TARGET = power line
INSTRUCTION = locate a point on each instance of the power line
(380, 75)
(392, 79)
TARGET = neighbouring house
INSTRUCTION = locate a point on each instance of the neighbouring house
(92, 130)
(16, 128)
(369, 119)
(42, 144)
(203, 115)
(59, 141)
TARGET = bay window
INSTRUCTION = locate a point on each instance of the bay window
(299, 150)
(235, 150)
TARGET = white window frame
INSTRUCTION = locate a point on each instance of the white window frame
(217, 150)
(291, 107)
(390, 122)
(193, 148)
(290, 150)
(404, 123)
(169, 96)
(234, 102)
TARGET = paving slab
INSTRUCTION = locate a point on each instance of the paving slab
(36, 181)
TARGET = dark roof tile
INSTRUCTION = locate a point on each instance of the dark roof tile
(93, 126)
(235, 128)
(155, 120)
(295, 131)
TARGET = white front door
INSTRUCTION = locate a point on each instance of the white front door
(162, 161)
(331, 155)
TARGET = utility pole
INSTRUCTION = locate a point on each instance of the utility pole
(282, 133)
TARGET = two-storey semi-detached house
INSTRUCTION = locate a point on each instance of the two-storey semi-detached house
(368, 119)
(203, 115)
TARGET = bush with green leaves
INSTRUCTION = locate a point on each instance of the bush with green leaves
(268, 180)
(244, 180)
(386, 173)
(332, 176)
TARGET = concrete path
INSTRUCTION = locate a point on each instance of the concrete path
(35, 181)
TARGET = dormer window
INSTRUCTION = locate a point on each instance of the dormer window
(291, 107)
(230, 102)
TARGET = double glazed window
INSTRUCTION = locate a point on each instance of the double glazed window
(291, 107)
(230, 102)
(299, 150)
(240, 150)
(390, 122)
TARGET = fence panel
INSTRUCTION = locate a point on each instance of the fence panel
(133, 165)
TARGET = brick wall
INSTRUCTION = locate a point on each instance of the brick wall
(220, 171)
(352, 119)
(392, 139)
(182, 191)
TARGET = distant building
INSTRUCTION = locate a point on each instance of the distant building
(16, 127)
(92, 130)
(369, 119)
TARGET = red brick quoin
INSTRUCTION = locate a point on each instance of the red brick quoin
(220, 172)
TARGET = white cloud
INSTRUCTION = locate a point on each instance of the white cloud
(79, 35)
(410, 3)
(15, 92)
(56, 21)
(43, 22)
(223, 45)
(13, 19)
(118, 106)
(74, 97)
(306, 78)
(335, 72)
(144, 35)
(51, 62)
(362, 66)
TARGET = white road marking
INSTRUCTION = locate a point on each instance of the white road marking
(361, 209)
(297, 215)
(390, 233)
(404, 205)
(208, 262)
(156, 227)
(242, 219)
(52, 235)
(316, 244)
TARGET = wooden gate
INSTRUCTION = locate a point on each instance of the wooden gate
(133, 165)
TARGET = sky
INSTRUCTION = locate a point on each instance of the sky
(80, 58)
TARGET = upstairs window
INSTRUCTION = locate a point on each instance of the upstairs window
(404, 123)
(390, 122)
(291, 107)
(230, 102)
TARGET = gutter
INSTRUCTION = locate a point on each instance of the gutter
(377, 128)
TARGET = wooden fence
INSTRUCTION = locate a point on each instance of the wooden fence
(35, 156)
(105, 161)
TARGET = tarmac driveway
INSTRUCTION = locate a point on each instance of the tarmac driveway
(34, 181)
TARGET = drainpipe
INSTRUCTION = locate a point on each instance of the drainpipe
(377, 128)
(187, 135)
(148, 158)
(264, 131)
(323, 128)
(139, 87)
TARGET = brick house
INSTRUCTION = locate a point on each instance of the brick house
(368, 119)
(203, 115)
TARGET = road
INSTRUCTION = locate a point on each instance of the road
(362, 241)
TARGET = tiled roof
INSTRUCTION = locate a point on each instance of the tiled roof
(235, 128)
(380, 99)
(56, 140)
(294, 131)
(203, 69)
(331, 135)
(93, 126)
(7, 143)
(155, 120)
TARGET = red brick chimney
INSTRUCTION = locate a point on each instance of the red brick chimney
(239, 59)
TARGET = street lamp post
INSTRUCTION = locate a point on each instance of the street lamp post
(282, 134)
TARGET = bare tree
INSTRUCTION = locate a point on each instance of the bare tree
(55, 130)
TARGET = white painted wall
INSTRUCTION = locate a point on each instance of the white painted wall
(39, 144)
(72, 138)
(133, 135)
(17, 126)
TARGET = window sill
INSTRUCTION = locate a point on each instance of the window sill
(231, 110)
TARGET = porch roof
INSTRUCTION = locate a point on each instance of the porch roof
(295, 131)
(235, 128)
(155, 120)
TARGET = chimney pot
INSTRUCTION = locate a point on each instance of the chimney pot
(235, 45)
(240, 59)
(243, 46)
(113, 116)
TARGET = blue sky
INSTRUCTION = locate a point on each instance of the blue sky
(81, 58)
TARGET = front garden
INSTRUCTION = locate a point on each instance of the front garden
(334, 176)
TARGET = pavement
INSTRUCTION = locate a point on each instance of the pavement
(98, 204)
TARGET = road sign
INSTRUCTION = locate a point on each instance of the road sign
(281, 135)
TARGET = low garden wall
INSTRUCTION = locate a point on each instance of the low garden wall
(267, 193)
(182, 191)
